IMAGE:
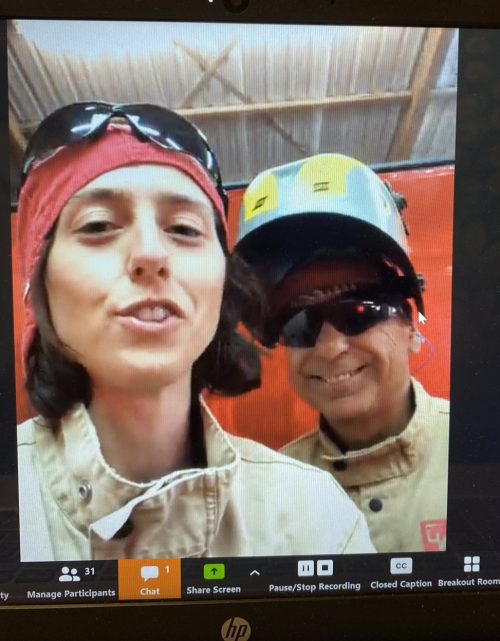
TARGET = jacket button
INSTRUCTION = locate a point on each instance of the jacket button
(339, 466)
(85, 491)
(375, 505)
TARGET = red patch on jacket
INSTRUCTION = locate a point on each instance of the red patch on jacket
(433, 535)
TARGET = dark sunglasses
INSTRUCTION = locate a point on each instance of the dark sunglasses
(86, 120)
(350, 316)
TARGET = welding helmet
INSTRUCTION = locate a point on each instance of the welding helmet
(325, 205)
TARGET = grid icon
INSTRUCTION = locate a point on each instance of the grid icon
(472, 563)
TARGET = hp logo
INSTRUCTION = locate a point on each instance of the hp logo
(236, 629)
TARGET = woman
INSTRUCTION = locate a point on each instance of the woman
(132, 303)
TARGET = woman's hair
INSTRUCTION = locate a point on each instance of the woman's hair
(230, 365)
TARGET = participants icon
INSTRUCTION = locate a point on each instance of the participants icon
(68, 574)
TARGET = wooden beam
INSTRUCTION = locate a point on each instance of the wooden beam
(222, 79)
(357, 100)
(296, 105)
(210, 70)
(245, 99)
(427, 68)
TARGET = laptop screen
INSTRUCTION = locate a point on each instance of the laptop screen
(228, 367)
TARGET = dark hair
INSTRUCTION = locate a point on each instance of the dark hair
(230, 365)
(391, 279)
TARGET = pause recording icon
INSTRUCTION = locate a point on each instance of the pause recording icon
(323, 567)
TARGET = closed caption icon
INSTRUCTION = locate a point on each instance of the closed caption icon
(403, 565)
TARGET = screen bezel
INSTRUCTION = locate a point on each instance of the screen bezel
(392, 616)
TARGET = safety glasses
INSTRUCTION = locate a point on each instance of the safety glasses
(350, 316)
(86, 120)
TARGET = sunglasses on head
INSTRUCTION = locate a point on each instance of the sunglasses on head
(86, 120)
(351, 316)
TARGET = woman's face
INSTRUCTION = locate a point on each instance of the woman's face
(135, 277)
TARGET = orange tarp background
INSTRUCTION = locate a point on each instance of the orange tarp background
(273, 414)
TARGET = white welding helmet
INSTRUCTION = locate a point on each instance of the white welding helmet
(327, 202)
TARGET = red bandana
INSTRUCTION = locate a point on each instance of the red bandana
(51, 184)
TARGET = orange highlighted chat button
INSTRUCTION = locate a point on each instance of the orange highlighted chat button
(149, 579)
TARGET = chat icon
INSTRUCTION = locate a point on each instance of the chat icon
(149, 572)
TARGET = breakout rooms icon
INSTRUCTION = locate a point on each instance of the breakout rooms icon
(236, 629)
(472, 563)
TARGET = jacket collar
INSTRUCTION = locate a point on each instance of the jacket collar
(393, 457)
(180, 511)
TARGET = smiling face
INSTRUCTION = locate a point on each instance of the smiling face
(135, 277)
(349, 378)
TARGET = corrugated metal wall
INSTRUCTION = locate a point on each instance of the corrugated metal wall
(264, 95)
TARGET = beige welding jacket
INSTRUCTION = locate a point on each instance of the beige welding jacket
(248, 501)
(400, 484)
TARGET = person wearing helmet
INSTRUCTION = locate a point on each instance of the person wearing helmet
(326, 237)
(132, 302)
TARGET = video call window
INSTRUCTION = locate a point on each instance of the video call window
(396, 112)
(232, 252)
